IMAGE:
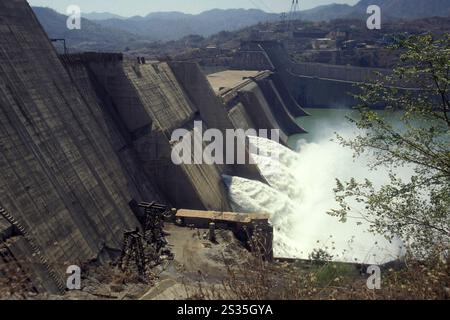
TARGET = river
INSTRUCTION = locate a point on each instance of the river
(300, 193)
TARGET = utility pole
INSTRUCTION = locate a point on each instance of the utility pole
(64, 44)
(283, 17)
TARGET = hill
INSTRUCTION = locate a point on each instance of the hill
(109, 32)
(165, 26)
(326, 12)
(390, 9)
(92, 36)
(101, 16)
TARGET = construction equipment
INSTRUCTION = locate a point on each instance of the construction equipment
(155, 215)
(154, 220)
(293, 14)
(133, 249)
(146, 248)
(295, 9)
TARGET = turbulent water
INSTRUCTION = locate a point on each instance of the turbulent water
(299, 194)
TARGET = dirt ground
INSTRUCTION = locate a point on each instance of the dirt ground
(196, 260)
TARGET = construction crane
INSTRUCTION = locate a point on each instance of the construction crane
(293, 14)
(295, 8)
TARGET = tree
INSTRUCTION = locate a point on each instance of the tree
(417, 209)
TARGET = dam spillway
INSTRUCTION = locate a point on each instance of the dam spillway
(256, 96)
(84, 135)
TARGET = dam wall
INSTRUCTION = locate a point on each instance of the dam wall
(62, 183)
(211, 109)
(83, 136)
(198, 89)
(19, 257)
(259, 110)
(312, 85)
(336, 72)
(251, 56)
(240, 118)
(257, 102)
(278, 108)
(292, 105)
(324, 93)
(107, 116)
(151, 104)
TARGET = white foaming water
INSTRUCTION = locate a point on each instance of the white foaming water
(299, 195)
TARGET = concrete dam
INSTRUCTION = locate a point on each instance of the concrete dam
(307, 82)
(83, 136)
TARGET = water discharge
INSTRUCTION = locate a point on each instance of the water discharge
(299, 194)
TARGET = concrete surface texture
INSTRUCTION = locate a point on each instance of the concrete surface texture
(259, 110)
(252, 56)
(112, 123)
(240, 118)
(307, 81)
(83, 135)
(148, 103)
(257, 100)
(61, 179)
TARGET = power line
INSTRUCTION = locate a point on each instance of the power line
(267, 7)
(255, 5)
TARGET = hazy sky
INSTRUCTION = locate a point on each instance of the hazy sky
(142, 7)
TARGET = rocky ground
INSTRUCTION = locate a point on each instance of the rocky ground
(196, 261)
